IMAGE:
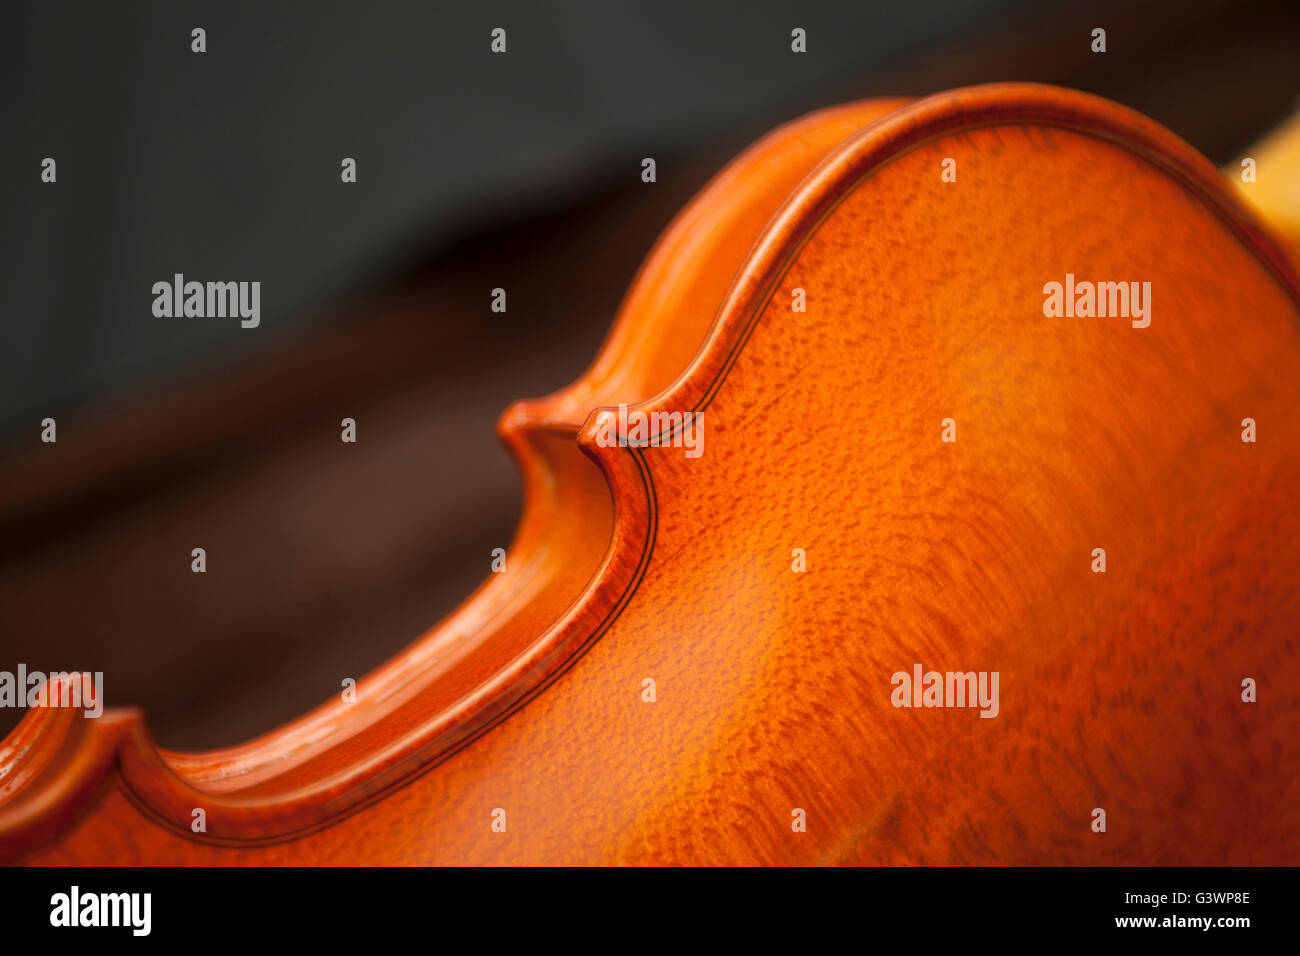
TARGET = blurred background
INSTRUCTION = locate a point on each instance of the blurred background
(474, 171)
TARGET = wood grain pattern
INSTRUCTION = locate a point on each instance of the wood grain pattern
(823, 433)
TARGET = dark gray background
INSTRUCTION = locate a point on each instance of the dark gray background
(225, 165)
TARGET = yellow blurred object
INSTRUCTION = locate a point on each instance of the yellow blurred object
(1271, 184)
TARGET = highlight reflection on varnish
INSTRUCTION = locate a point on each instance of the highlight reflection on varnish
(912, 466)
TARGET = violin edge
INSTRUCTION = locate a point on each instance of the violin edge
(51, 785)
(922, 121)
(80, 760)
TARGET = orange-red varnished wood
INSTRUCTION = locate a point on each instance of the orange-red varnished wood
(822, 431)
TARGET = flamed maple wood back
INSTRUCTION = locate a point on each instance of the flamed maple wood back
(827, 538)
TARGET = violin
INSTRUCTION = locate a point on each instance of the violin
(932, 500)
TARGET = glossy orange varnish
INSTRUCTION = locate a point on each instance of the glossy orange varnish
(1118, 690)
